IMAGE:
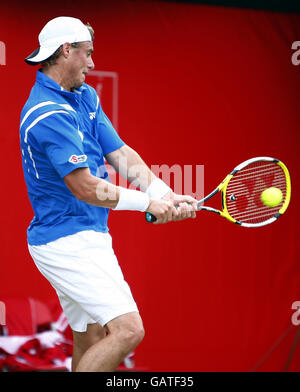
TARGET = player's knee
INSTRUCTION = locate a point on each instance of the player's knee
(132, 335)
(139, 334)
(129, 330)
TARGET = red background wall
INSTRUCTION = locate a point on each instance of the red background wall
(199, 85)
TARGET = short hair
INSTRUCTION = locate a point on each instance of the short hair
(52, 59)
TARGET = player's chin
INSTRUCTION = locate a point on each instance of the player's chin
(79, 82)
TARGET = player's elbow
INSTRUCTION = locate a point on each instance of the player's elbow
(90, 189)
(81, 194)
(81, 184)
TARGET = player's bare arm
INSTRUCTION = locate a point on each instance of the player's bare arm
(131, 166)
(101, 193)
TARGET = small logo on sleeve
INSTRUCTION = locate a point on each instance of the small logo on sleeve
(77, 159)
(92, 115)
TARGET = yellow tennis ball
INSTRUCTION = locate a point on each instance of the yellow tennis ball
(271, 197)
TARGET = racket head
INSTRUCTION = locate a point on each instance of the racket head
(241, 192)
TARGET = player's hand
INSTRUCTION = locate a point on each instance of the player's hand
(185, 206)
(163, 210)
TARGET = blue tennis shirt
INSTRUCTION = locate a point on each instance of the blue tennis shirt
(61, 131)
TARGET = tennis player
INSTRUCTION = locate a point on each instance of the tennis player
(65, 136)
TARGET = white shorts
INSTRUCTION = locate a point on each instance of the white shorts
(85, 273)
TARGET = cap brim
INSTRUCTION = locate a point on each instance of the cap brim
(40, 54)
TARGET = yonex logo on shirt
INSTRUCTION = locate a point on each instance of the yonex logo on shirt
(92, 115)
(77, 158)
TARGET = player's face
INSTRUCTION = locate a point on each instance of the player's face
(80, 63)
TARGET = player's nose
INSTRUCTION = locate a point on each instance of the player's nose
(91, 64)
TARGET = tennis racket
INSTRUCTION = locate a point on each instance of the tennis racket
(241, 193)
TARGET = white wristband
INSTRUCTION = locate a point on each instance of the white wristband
(157, 189)
(132, 200)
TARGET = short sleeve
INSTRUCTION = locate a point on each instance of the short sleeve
(58, 136)
(108, 136)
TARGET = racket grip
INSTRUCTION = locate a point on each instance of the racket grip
(150, 218)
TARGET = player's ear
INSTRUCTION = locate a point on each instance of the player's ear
(66, 50)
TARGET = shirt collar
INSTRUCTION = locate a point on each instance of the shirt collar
(50, 83)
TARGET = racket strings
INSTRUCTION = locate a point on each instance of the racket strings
(268, 173)
(261, 166)
(241, 188)
(243, 194)
(257, 212)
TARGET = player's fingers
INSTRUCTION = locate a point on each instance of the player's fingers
(183, 210)
(166, 213)
(187, 211)
(161, 218)
(171, 209)
(195, 205)
(193, 215)
(190, 199)
(184, 199)
(175, 214)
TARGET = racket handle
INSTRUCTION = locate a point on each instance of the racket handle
(150, 218)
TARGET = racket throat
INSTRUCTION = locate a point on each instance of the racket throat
(200, 202)
(209, 209)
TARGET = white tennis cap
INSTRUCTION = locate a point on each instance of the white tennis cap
(55, 33)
